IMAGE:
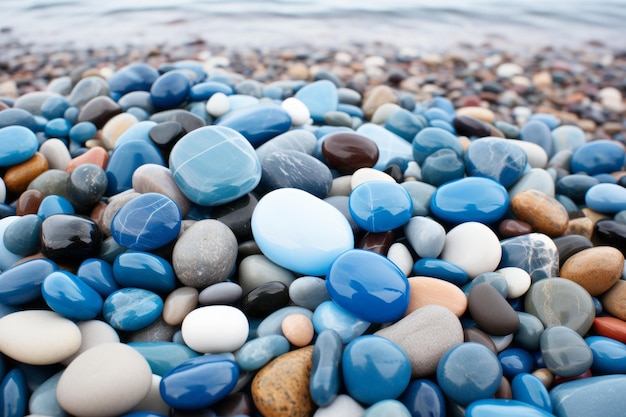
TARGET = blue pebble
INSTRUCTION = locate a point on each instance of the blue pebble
(495, 279)
(54, 107)
(368, 285)
(324, 382)
(71, 114)
(606, 178)
(139, 131)
(54, 204)
(273, 92)
(140, 114)
(43, 400)
(550, 120)
(432, 139)
(58, 128)
(435, 113)
(380, 206)
(144, 270)
(163, 356)
(424, 398)
(14, 394)
(258, 123)
(568, 137)
(193, 68)
(386, 408)
(391, 147)
(501, 407)
(564, 351)
(133, 77)
(256, 353)
(470, 199)
(609, 355)
(21, 283)
(18, 144)
(352, 110)
(125, 160)
(606, 198)
(539, 133)
(597, 157)
(575, 186)
(295, 169)
(6, 210)
(82, 132)
(438, 268)
(469, 372)
(69, 296)
(495, 158)
(529, 389)
(320, 97)
(595, 396)
(444, 104)
(529, 331)
(368, 377)
(330, 316)
(443, 125)
(17, 117)
(515, 361)
(441, 167)
(239, 101)
(131, 309)
(98, 274)
(143, 414)
(199, 382)
(137, 99)
(170, 90)
(7, 258)
(22, 236)
(147, 222)
(204, 90)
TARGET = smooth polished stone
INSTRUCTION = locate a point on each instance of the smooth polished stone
(496, 159)
(330, 316)
(7, 258)
(170, 90)
(575, 186)
(125, 160)
(399, 254)
(96, 155)
(38, 337)
(314, 231)
(325, 382)
(428, 291)
(144, 270)
(256, 270)
(14, 394)
(432, 139)
(18, 177)
(204, 254)
(256, 353)
(609, 356)
(93, 333)
(382, 290)
(598, 395)
(18, 117)
(493, 279)
(421, 193)
(215, 329)
(22, 283)
(179, 303)
(491, 311)
(529, 331)
(597, 157)
(98, 274)
(423, 397)
(473, 247)
(570, 245)
(568, 137)
(508, 407)
(56, 153)
(124, 379)
(320, 97)
(610, 327)
(265, 299)
(387, 407)
(595, 269)
(258, 123)
(199, 382)
(518, 281)
(380, 206)
(515, 361)
(98, 110)
(441, 167)
(86, 89)
(19, 144)
(237, 215)
(272, 324)
(71, 297)
(68, 237)
(369, 380)
(343, 405)
(86, 185)
(404, 124)
(308, 292)
(539, 133)
(529, 389)
(22, 236)
(54, 204)
(560, 302)
(606, 198)
(391, 147)
(139, 131)
(133, 77)
(426, 236)
(294, 169)
(470, 126)
(474, 334)
(469, 372)
(43, 400)
(537, 179)
(152, 178)
(348, 151)
(611, 232)
(438, 268)
(544, 213)
(471, 199)
(295, 140)
(147, 222)
(234, 169)
(535, 253)
(132, 309)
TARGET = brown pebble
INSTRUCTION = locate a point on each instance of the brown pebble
(580, 226)
(614, 300)
(281, 388)
(28, 202)
(491, 311)
(376, 97)
(298, 329)
(19, 176)
(545, 376)
(97, 156)
(178, 304)
(426, 290)
(595, 269)
(504, 390)
(480, 113)
(377, 242)
(473, 334)
(235, 404)
(512, 228)
(544, 213)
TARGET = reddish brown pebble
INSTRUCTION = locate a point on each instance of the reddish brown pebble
(542, 212)
(377, 242)
(614, 300)
(281, 388)
(426, 290)
(97, 156)
(610, 327)
(347, 151)
(504, 390)
(491, 311)
(29, 202)
(19, 176)
(595, 269)
(512, 228)
(298, 329)
(472, 334)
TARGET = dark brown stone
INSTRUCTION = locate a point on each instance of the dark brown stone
(29, 202)
(347, 151)
(491, 311)
(377, 242)
(99, 110)
(473, 334)
(504, 390)
(235, 404)
(512, 228)
(469, 126)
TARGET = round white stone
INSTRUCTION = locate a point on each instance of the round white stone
(400, 255)
(473, 247)
(56, 153)
(517, 280)
(508, 70)
(94, 333)
(38, 337)
(215, 329)
(297, 110)
(362, 175)
(218, 105)
(105, 381)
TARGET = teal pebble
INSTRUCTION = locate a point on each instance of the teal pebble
(442, 166)
(43, 400)
(320, 97)
(22, 236)
(432, 139)
(529, 331)
(254, 354)
(18, 144)
(325, 382)
(144, 270)
(163, 356)
(387, 408)
(82, 132)
(58, 128)
(609, 355)
(69, 296)
(98, 274)
(132, 309)
(420, 193)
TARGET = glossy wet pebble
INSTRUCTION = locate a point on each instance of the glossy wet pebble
(473, 247)
(215, 329)
(564, 351)
(595, 269)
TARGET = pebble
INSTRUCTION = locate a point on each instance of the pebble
(610, 327)
(256, 270)
(529, 389)
(298, 329)
(19, 144)
(608, 354)
(319, 97)
(426, 236)
(215, 329)
(93, 333)
(597, 157)
(497, 407)
(178, 304)
(71, 297)
(612, 300)
(257, 123)
(294, 169)
(491, 311)
(606, 198)
(428, 291)
(343, 405)
(535, 253)
(543, 212)
(473, 247)
(497, 159)
(595, 269)
(163, 356)
(601, 395)
(391, 147)
(256, 353)
(380, 206)
(564, 351)
(132, 309)
(308, 292)
(348, 151)
(330, 316)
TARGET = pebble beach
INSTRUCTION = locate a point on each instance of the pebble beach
(363, 227)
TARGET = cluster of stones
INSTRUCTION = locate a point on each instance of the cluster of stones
(180, 240)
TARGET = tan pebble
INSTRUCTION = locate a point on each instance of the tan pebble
(542, 79)
(115, 127)
(614, 300)
(376, 97)
(587, 125)
(298, 71)
(178, 304)
(19, 176)
(594, 215)
(545, 376)
(544, 213)
(341, 186)
(465, 142)
(383, 112)
(93, 333)
(480, 113)
(426, 290)
(580, 226)
(595, 269)
(281, 388)
(8, 89)
(298, 329)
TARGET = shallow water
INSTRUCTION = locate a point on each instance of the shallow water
(427, 24)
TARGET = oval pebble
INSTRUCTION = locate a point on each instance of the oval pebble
(609, 356)
(491, 311)
(426, 236)
(427, 291)
(496, 158)
(330, 316)
(529, 389)
(298, 329)
(380, 206)
(93, 333)
(598, 395)
(215, 329)
(14, 393)
(256, 353)
(595, 269)
(597, 157)
(178, 304)
(163, 356)
(19, 144)
(295, 169)
(564, 351)
(499, 407)
(220, 293)
(144, 270)
(69, 296)
(606, 198)
(324, 383)
(473, 247)
(22, 283)
(308, 292)
(132, 309)
(423, 397)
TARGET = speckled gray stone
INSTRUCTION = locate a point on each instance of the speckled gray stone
(205, 254)
(425, 335)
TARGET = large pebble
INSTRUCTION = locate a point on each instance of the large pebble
(257, 123)
(595, 269)
(613, 300)
(308, 292)
(294, 169)
(215, 329)
(499, 407)
(107, 380)
(427, 291)
(491, 311)
(543, 212)
(132, 309)
(319, 97)
(473, 247)
(598, 395)
(535, 253)
(22, 283)
(69, 296)
(93, 333)
(564, 351)
(300, 232)
(348, 151)
(19, 144)
(496, 158)
(597, 157)
(606, 198)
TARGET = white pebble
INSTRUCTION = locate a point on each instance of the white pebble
(297, 110)
(400, 255)
(508, 70)
(362, 175)
(94, 333)
(56, 153)
(218, 105)
(343, 406)
(215, 329)
(473, 247)
(537, 156)
(517, 280)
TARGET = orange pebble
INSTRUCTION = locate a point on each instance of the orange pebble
(610, 327)
(298, 329)
(97, 156)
